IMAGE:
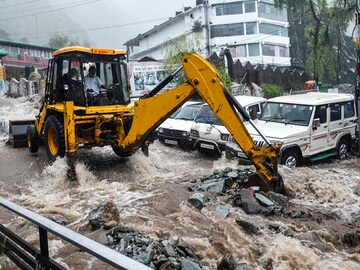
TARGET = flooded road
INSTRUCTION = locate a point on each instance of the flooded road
(318, 230)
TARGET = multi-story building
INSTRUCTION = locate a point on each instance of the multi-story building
(253, 30)
(20, 57)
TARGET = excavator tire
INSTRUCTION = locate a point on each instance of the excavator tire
(32, 139)
(54, 139)
(277, 185)
(121, 153)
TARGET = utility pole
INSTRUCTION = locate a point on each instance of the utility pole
(357, 80)
(207, 27)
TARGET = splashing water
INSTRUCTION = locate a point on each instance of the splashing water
(152, 194)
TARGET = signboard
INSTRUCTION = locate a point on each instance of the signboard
(145, 76)
(333, 90)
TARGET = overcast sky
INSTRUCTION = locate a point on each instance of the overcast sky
(110, 23)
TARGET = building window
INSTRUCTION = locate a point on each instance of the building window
(268, 11)
(254, 49)
(274, 30)
(238, 51)
(229, 9)
(251, 28)
(225, 30)
(268, 50)
(14, 49)
(284, 51)
(275, 50)
(249, 7)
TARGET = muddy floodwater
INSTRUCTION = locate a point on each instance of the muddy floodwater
(320, 229)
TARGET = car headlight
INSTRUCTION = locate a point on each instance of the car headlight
(185, 134)
(224, 137)
(160, 130)
(194, 133)
(231, 139)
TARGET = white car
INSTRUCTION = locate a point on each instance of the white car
(209, 135)
(310, 126)
(176, 130)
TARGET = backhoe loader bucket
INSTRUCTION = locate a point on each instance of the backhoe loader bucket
(17, 132)
(276, 185)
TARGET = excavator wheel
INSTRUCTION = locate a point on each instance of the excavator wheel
(54, 138)
(121, 153)
(277, 185)
(32, 139)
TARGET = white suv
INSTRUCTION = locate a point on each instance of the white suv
(209, 135)
(176, 129)
(310, 126)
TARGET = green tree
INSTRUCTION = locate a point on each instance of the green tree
(183, 44)
(321, 29)
(176, 48)
(270, 90)
(57, 41)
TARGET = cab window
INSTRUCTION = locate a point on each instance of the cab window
(349, 109)
(335, 112)
(320, 113)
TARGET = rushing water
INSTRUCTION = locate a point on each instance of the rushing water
(152, 197)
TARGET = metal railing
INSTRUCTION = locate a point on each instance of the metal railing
(27, 256)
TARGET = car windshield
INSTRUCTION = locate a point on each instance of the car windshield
(206, 115)
(188, 112)
(294, 114)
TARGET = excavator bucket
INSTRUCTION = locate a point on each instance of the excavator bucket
(17, 132)
(277, 184)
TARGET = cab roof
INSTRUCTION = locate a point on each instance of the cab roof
(249, 100)
(97, 51)
(313, 98)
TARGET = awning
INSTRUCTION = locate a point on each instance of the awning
(2, 53)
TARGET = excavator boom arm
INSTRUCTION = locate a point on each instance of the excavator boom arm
(203, 78)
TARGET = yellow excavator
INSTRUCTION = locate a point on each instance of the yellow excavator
(74, 115)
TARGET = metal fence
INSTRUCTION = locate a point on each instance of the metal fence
(27, 256)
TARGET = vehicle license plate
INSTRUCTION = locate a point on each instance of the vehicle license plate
(170, 142)
(207, 146)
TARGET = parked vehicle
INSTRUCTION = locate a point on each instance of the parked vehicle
(310, 126)
(176, 130)
(209, 135)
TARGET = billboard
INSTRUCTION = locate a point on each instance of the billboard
(145, 76)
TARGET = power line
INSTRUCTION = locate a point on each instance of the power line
(45, 7)
(19, 4)
(48, 11)
(90, 29)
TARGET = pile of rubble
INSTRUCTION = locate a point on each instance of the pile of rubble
(175, 253)
(233, 184)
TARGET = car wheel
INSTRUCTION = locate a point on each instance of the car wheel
(121, 153)
(290, 159)
(54, 138)
(342, 149)
(32, 139)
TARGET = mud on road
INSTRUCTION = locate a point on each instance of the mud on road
(319, 229)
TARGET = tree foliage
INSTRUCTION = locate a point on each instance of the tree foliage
(175, 49)
(270, 90)
(318, 37)
(57, 41)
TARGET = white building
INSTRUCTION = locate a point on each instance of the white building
(253, 30)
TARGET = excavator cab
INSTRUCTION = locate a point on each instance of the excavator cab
(68, 72)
